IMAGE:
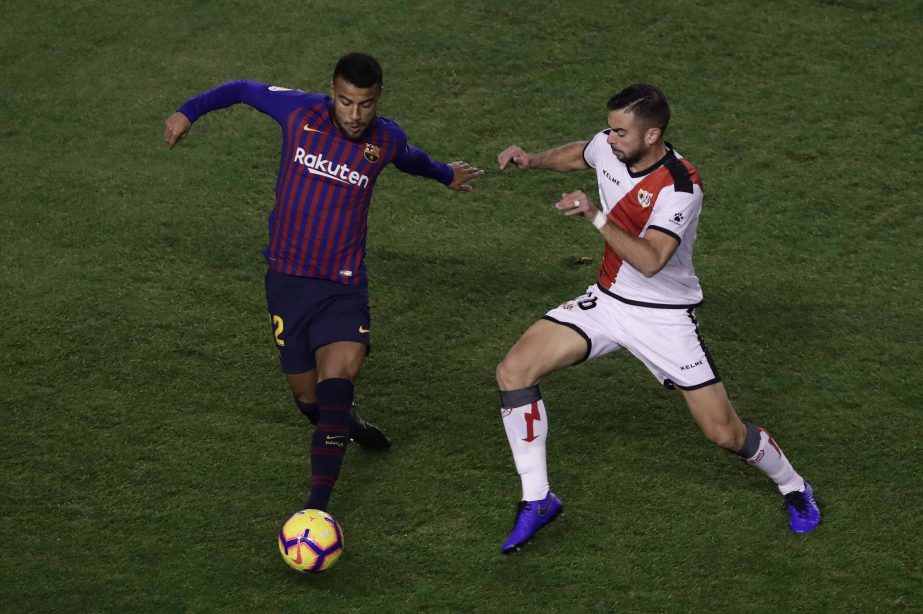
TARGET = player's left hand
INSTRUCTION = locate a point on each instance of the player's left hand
(462, 172)
(577, 203)
(175, 128)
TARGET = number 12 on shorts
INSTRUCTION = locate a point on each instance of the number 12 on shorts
(277, 327)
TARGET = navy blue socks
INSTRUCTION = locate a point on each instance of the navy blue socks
(328, 445)
(308, 409)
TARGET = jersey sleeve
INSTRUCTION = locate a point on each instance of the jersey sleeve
(676, 211)
(415, 161)
(277, 102)
(591, 149)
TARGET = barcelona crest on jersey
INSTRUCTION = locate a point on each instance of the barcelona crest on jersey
(372, 153)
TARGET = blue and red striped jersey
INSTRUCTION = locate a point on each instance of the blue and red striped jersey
(318, 226)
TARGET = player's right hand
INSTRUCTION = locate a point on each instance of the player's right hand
(516, 155)
(176, 127)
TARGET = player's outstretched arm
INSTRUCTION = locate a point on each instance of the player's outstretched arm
(277, 102)
(175, 128)
(567, 157)
(462, 173)
(455, 176)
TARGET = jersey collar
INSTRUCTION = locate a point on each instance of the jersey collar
(650, 169)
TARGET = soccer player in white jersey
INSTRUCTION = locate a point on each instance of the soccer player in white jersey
(643, 301)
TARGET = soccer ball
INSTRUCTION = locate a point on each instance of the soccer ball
(311, 541)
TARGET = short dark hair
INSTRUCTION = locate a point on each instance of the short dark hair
(360, 69)
(646, 102)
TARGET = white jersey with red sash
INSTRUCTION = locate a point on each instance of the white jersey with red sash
(667, 197)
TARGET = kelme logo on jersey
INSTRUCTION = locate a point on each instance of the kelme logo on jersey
(645, 198)
(609, 176)
(372, 153)
(319, 165)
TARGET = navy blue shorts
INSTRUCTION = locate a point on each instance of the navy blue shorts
(308, 313)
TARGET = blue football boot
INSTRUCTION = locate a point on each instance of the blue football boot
(530, 517)
(804, 515)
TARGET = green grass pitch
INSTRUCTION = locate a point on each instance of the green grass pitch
(149, 450)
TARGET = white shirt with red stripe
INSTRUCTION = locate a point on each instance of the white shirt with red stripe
(666, 197)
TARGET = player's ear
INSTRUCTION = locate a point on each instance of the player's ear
(652, 135)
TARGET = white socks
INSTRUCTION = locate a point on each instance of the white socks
(769, 459)
(526, 423)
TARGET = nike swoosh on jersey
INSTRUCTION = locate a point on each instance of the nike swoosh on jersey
(310, 129)
(363, 330)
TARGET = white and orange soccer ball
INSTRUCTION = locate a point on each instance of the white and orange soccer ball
(311, 541)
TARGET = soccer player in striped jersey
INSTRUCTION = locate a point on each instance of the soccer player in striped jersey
(333, 150)
(644, 301)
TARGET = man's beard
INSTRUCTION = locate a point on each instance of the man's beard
(348, 135)
(629, 160)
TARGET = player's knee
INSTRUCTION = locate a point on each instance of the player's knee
(303, 391)
(501, 374)
(513, 374)
(348, 370)
(724, 435)
(304, 398)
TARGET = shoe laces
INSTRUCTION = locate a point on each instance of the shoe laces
(796, 500)
(521, 508)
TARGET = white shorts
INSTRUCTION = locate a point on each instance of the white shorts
(665, 339)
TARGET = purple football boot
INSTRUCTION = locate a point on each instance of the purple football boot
(804, 515)
(530, 517)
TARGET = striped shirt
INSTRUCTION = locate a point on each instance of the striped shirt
(318, 226)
